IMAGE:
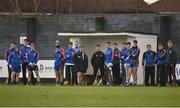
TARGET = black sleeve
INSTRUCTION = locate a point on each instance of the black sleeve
(86, 60)
(103, 56)
(174, 57)
(92, 59)
(75, 58)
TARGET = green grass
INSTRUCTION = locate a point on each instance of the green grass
(88, 96)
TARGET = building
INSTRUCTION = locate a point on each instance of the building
(42, 20)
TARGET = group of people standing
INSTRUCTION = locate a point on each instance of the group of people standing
(115, 66)
(24, 58)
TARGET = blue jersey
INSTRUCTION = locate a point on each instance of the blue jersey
(135, 51)
(161, 57)
(24, 51)
(123, 54)
(69, 55)
(108, 56)
(15, 60)
(58, 58)
(127, 56)
(8, 52)
(149, 57)
(33, 56)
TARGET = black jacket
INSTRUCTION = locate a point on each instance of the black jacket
(98, 58)
(171, 56)
(80, 64)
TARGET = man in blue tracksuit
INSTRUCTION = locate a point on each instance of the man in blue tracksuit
(122, 58)
(24, 51)
(161, 68)
(58, 65)
(171, 59)
(69, 64)
(7, 54)
(15, 62)
(108, 63)
(33, 57)
(135, 51)
(149, 60)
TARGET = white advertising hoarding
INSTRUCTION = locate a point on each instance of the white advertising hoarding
(46, 69)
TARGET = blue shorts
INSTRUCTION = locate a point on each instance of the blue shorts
(16, 69)
(134, 64)
(57, 67)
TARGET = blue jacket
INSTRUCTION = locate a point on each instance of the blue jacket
(58, 58)
(161, 57)
(69, 55)
(33, 56)
(15, 59)
(8, 52)
(149, 57)
(24, 51)
(108, 56)
(122, 55)
(135, 51)
(127, 56)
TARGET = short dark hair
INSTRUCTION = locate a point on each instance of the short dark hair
(170, 41)
(26, 40)
(70, 43)
(135, 41)
(98, 45)
(108, 42)
(58, 46)
(124, 43)
(13, 42)
(128, 43)
(115, 43)
(148, 45)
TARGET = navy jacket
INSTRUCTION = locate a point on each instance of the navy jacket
(149, 57)
(58, 58)
(24, 51)
(33, 56)
(161, 57)
(15, 59)
(69, 55)
(171, 56)
(8, 52)
(135, 51)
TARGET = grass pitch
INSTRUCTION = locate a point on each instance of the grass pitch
(62, 96)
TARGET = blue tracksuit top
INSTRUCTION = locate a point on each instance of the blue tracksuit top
(15, 59)
(33, 56)
(161, 57)
(69, 55)
(24, 51)
(58, 57)
(108, 56)
(8, 52)
(149, 57)
(122, 55)
(135, 51)
(127, 56)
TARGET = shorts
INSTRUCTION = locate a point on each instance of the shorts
(16, 69)
(134, 64)
(32, 67)
(57, 67)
